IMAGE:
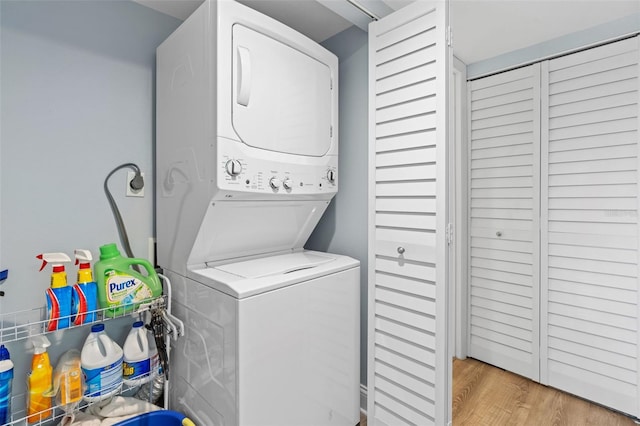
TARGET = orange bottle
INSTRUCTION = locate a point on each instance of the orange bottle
(39, 405)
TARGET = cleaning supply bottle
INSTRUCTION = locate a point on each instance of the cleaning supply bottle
(120, 288)
(137, 362)
(101, 360)
(67, 382)
(6, 377)
(39, 405)
(59, 294)
(84, 298)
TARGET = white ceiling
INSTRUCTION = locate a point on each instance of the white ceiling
(482, 28)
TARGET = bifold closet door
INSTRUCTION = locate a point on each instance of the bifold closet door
(590, 224)
(504, 220)
(407, 337)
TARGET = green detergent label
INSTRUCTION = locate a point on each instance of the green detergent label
(123, 289)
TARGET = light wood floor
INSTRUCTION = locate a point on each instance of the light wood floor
(484, 395)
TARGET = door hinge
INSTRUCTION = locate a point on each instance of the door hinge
(449, 36)
(449, 233)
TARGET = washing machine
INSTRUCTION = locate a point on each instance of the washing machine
(246, 165)
(270, 341)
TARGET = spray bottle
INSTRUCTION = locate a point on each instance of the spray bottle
(39, 405)
(59, 295)
(6, 377)
(84, 298)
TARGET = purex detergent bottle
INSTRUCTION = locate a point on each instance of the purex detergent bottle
(120, 287)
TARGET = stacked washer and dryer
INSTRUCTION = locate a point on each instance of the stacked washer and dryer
(246, 164)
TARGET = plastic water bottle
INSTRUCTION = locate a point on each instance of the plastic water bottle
(137, 364)
(6, 377)
(101, 360)
(153, 391)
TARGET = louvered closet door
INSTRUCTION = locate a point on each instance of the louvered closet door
(407, 364)
(504, 220)
(590, 305)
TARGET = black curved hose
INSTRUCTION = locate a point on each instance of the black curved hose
(136, 183)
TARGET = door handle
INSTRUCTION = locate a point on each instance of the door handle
(244, 76)
(400, 250)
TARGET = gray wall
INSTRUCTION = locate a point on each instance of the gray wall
(76, 100)
(343, 228)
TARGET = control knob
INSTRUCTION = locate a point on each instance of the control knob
(234, 167)
(287, 184)
(275, 183)
(331, 176)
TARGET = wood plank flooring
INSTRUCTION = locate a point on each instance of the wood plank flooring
(486, 395)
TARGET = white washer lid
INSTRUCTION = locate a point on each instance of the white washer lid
(275, 265)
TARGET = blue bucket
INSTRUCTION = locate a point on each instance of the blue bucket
(161, 417)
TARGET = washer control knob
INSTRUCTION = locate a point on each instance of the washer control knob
(234, 167)
(331, 176)
(275, 183)
(287, 184)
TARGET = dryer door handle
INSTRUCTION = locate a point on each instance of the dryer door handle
(244, 76)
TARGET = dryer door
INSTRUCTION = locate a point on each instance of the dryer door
(281, 96)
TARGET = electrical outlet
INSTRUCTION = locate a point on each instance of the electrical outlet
(132, 192)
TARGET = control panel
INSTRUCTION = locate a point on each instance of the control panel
(245, 170)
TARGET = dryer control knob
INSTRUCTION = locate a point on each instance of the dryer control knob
(287, 184)
(234, 167)
(275, 183)
(331, 176)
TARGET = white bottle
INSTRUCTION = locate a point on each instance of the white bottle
(137, 363)
(101, 360)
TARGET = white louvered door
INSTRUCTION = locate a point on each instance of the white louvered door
(504, 291)
(408, 368)
(590, 224)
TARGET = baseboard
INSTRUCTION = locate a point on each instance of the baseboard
(363, 399)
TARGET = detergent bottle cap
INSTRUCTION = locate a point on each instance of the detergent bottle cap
(4, 353)
(97, 328)
(40, 344)
(137, 324)
(109, 251)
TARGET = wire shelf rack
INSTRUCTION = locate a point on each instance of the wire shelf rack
(32, 322)
(56, 413)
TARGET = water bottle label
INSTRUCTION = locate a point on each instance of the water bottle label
(134, 370)
(124, 289)
(101, 381)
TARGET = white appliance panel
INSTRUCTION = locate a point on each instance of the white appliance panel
(244, 228)
(282, 97)
(203, 362)
(298, 354)
(276, 265)
(293, 267)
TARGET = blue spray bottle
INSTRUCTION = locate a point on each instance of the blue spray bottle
(6, 376)
(84, 298)
(59, 294)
